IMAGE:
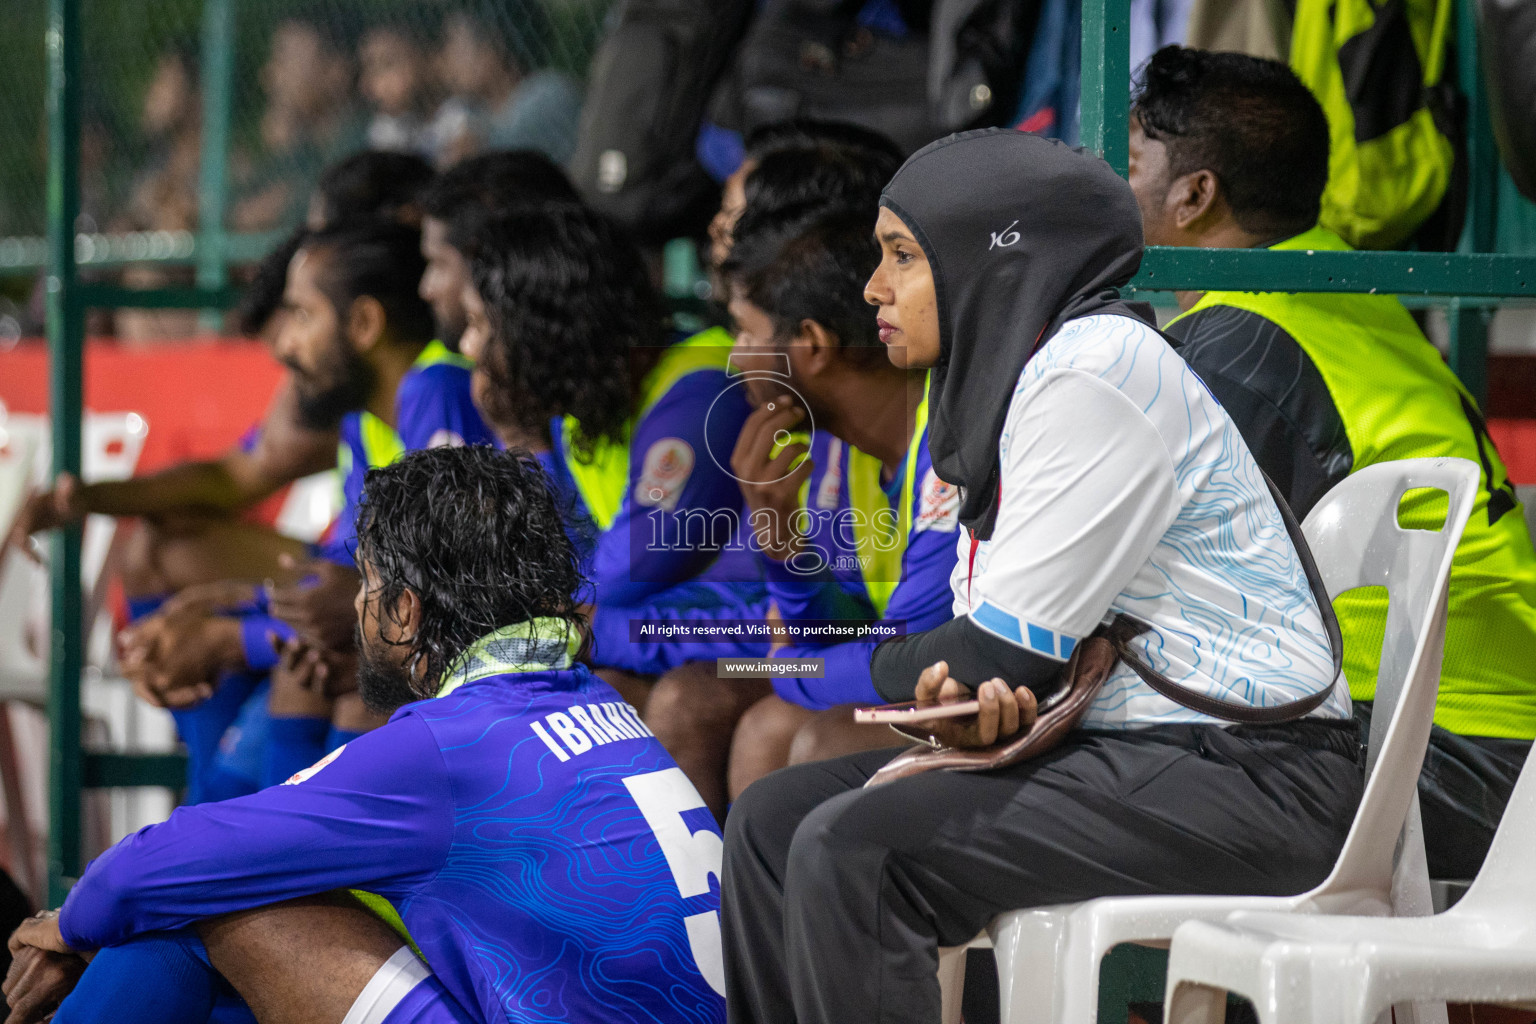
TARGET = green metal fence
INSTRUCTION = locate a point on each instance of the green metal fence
(92, 63)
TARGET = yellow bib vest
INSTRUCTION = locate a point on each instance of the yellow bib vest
(1398, 400)
(1370, 65)
(882, 542)
(603, 479)
(381, 444)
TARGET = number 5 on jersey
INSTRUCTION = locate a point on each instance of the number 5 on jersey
(693, 856)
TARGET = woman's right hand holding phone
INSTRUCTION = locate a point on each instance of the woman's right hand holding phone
(1003, 712)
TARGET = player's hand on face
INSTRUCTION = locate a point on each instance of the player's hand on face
(775, 623)
(339, 677)
(319, 606)
(1002, 714)
(771, 473)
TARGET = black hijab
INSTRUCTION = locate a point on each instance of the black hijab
(1023, 234)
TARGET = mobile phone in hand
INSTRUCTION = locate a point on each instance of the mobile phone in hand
(916, 711)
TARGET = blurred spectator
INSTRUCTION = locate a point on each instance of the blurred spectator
(393, 72)
(310, 120)
(497, 100)
(163, 196)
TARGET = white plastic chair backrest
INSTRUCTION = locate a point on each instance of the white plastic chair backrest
(111, 444)
(17, 450)
(1357, 542)
(311, 505)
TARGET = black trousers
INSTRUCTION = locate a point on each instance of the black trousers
(835, 898)
(1463, 790)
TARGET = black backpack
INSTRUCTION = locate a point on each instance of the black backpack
(650, 81)
(958, 67)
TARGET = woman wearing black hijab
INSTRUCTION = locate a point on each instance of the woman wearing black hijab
(1100, 478)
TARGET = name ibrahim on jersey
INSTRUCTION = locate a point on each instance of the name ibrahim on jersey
(548, 857)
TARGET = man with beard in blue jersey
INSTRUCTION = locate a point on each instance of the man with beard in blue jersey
(549, 859)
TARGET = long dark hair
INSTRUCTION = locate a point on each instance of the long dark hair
(574, 318)
(475, 534)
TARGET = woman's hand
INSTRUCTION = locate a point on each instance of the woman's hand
(1002, 713)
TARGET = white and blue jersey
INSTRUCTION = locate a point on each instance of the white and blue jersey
(1151, 506)
(548, 857)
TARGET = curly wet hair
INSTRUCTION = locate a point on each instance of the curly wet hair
(575, 319)
(475, 534)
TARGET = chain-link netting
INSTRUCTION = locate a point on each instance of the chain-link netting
(312, 80)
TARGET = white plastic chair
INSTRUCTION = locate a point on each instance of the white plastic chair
(110, 447)
(311, 504)
(1350, 969)
(16, 452)
(1048, 958)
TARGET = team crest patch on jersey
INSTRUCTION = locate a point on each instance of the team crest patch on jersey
(938, 506)
(307, 773)
(664, 473)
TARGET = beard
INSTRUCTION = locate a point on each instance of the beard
(343, 385)
(382, 683)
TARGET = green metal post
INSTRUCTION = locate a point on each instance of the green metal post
(1106, 83)
(1467, 326)
(212, 182)
(66, 340)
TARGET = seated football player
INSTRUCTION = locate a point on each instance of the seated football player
(794, 170)
(357, 340)
(573, 345)
(850, 522)
(1231, 151)
(481, 185)
(547, 857)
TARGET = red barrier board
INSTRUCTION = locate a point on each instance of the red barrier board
(198, 397)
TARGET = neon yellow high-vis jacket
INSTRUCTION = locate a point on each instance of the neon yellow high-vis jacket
(1323, 384)
(1371, 64)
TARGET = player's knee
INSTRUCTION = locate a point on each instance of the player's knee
(689, 704)
(771, 720)
(833, 733)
